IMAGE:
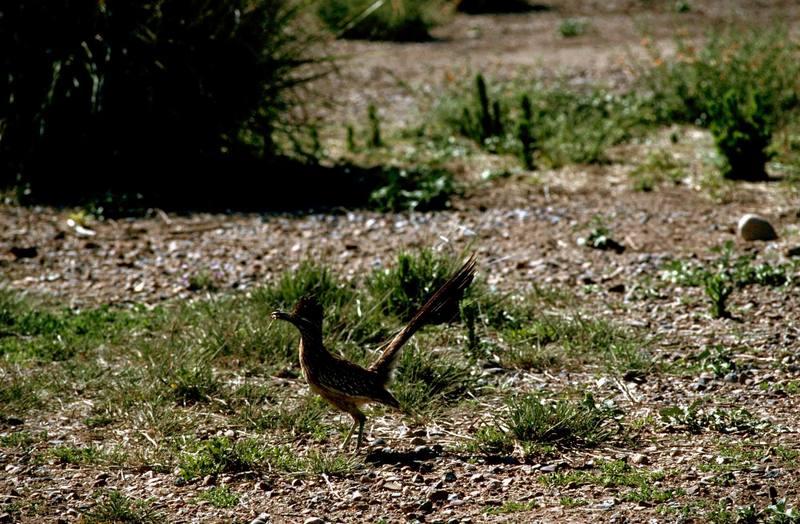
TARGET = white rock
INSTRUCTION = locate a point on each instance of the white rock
(755, 227)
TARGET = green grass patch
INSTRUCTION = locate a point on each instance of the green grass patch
(29, 331)
(404, 287)
(658, 168)
(694, 418)
(77, 455)
(426, 381)
(549, 125)
(510, 507)
(305, 418)
(563, 423)
(550, 339)
(572, 27)
(572, 502)
(220, 497)
(221, 455)
(616, 474)
(419, 188)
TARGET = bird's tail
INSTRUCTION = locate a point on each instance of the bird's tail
(452, 290)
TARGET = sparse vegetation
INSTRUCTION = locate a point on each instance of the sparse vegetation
(694, 418)
(406, 20)
(142, 378)
(560, 124)
(741, 84)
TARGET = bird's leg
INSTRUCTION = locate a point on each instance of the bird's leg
(361, 421)
(350, 434)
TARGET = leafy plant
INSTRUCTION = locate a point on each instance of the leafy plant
(482, 119)
(374, 126)
(718, 289)
(525, 133)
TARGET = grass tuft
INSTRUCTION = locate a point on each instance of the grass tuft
(115, 507)
(563, 423)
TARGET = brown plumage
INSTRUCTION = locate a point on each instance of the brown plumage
(346, 385)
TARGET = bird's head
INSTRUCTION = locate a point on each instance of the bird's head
(306, 315)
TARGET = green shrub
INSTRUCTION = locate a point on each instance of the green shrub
(741, 85)
(406, 20)
(136, 98)
(742, 130)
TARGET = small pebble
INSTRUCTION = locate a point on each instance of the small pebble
(754, 227)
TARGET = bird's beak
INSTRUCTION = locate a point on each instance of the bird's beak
(280, 315)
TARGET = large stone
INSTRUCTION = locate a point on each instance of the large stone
(754, 227)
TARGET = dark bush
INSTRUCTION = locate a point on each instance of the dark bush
(140, 98)
(476, 7)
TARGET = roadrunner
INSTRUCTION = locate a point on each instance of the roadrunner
(346, 385)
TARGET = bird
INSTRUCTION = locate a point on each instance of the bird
(346, 385)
